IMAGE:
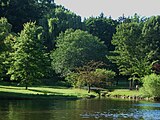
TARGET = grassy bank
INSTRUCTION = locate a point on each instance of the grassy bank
(13, 92)
(131, 95)
(125, 92)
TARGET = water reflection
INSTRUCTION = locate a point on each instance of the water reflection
(78, 110)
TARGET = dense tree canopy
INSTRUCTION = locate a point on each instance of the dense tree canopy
(103, 28)
(151, 34)
(130, 52)
(57, 21)
(75, 48)
(19, 12)
(5, 31)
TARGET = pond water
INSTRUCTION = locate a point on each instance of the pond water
(100, 109)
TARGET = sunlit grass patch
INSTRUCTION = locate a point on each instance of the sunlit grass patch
(126, 92)
(44, 90)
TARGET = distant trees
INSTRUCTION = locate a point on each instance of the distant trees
(74, 49)
(29, 59)
(57, 21)
(103, 28)
(151, 35)
(19, 12)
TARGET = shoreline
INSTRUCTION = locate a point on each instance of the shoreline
(133, 98)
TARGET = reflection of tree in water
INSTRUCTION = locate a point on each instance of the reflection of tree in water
(4, 108)
(78, 109)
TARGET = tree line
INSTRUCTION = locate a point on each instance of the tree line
(39, 39)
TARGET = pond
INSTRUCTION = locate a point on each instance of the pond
(100, 109)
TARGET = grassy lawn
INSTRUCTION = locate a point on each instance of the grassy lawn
(41, 92)
(125, 92)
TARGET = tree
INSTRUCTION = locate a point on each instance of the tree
(151, 35)
(103, 28)
(19, 12)
(74, 49)
(29, 59)
(91, 74)
(57, 21)
(5, 31)
(131, 53)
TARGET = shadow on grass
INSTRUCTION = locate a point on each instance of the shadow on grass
(13, 88)
(55, 87)
(21, 96)
(45, 92)
(21, 87)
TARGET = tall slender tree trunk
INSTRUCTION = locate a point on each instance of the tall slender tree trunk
(131, 84)
(89, 88)
(26, 84)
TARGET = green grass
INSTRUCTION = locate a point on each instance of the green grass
(125, 92)
(13, 92)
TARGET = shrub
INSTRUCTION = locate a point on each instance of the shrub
(73, 80)
(151, 85)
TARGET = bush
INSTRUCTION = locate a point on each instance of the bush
(73, 80)
(151, 85)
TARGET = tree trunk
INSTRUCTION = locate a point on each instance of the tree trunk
(131, 84)
(89, 88)
(26, 84)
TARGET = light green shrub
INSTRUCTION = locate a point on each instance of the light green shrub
(151, 85)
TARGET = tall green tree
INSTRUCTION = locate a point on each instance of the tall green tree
(5, 31)
(131, 54)
(29, 59)
(151, 34)
(75, 48)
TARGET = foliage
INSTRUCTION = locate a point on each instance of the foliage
(74, 49)
(103, 28)
(90, 74)
(151, 35)
(125, 92)
(57, 21)
(151, 85)
(19, 12)
(134, 18)
(131, 53)
(29, 60)
(5, 31)
(73, 79)
(105, 74)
